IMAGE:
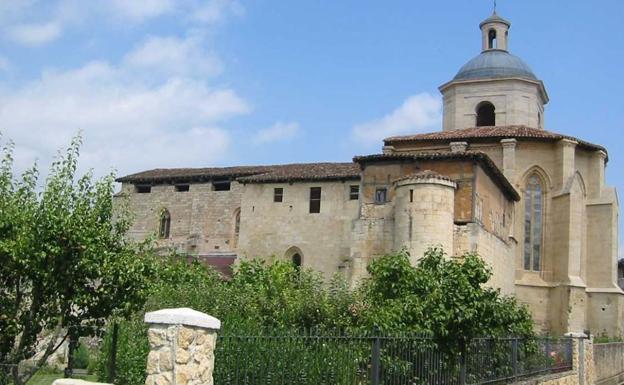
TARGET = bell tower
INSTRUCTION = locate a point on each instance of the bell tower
(495, 88)
(495, 33)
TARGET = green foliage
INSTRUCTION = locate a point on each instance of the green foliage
(443, 297)
(605, 339)
(81, 357)
(132, 350)
(65, 261)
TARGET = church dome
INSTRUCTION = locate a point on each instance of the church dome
(495, 64)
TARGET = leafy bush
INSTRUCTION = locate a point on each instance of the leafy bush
(81, 357)
(441, 297)
(132, 350)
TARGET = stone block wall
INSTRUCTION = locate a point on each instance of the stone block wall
(182, 343)
(609, 363)
(202, 220)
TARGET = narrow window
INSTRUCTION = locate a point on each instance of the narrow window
(381, 195)
(182, 187)
(221, 185)
(315, 200)
(296, 260)
(411, 196)
(165, 224)
(237, 220)
(143, 189)
(354, 192)
(492, 42)
(533, 228)
(278, 194)
(486, 114)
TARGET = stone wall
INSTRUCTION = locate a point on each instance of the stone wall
(516, 102)
(202, 220)
(424, 215)
(609, 363)
(281, 229)
(182, 343)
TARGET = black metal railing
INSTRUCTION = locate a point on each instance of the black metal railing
(361, 359)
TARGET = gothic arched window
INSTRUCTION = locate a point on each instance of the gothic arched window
(165, 224)
(486, 114)
(533, 223)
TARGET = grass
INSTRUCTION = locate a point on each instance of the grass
(48, 378)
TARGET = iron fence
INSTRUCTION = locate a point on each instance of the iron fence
(341, 359)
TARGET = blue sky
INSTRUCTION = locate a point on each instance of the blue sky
(163, 83)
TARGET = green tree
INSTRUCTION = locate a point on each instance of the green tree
(443, 297)
(65, 264)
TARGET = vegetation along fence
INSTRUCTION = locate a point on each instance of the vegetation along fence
(334, 359)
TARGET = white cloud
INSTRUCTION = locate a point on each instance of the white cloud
(128, 124)
(174, 56)
(418, 113)
(216, 11)
(35, 34)
(155, 107)
(278, 132)
(139, 11)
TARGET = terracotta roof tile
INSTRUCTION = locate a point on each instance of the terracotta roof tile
(425, 174)
(249, 174)
(306, 172)
(493, 132)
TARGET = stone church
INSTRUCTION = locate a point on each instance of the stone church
(533, 203)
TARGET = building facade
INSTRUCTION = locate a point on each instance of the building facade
(533, 203)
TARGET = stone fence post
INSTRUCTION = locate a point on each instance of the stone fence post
(182, 343)
(583, 358)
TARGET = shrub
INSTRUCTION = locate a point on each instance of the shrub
(81, 357)
(441, 297)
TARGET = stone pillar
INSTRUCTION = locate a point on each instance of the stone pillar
(583, 358)
(509, 159)
(596, 177)
(182, 343)
(565, 162)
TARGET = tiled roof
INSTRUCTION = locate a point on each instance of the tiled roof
(249, 174)
(483, 159)
(492, 132)
(306, 172)
(185, 174)
(425, 174)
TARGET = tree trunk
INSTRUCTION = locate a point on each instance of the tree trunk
(69, 370)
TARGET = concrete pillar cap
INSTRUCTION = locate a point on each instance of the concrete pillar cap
(182, 316)
(576, 335)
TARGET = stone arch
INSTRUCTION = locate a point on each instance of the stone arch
(294, 255)
(492, 39)
(535, 169)
(486, 114)
(577, 177)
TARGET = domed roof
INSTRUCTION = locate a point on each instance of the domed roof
(495, 64)
(495, 19)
